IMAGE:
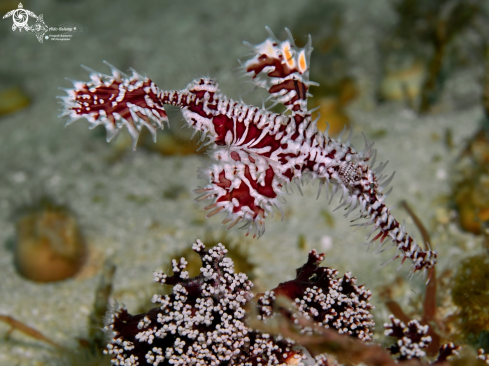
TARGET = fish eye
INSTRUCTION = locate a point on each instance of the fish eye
(372, 185)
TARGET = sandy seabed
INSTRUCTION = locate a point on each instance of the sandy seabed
(166, 40)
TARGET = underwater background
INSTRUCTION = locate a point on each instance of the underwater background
(412, 75)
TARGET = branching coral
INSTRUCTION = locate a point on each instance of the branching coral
(329, 301)
(203, 320)
(481, 355)
(413, 339)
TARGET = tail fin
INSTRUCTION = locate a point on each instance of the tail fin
(283, 69)
(116, 101)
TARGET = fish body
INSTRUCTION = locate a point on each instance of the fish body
(256, 154)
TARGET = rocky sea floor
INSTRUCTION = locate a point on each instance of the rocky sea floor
(138, 209)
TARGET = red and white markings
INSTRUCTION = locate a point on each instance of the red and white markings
(256, 154)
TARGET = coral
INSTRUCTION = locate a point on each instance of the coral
(237, 251)
(201, 322)
(256, 153)
(412, 339)
(446, 350)
(330, 302)
(482, 356)
(346, 350)
(339, 348)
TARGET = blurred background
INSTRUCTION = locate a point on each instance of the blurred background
(83, 222)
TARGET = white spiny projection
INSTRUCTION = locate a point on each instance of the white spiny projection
(255, 153)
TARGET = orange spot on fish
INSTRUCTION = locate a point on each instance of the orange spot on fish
(302, 62)
(288, 55)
